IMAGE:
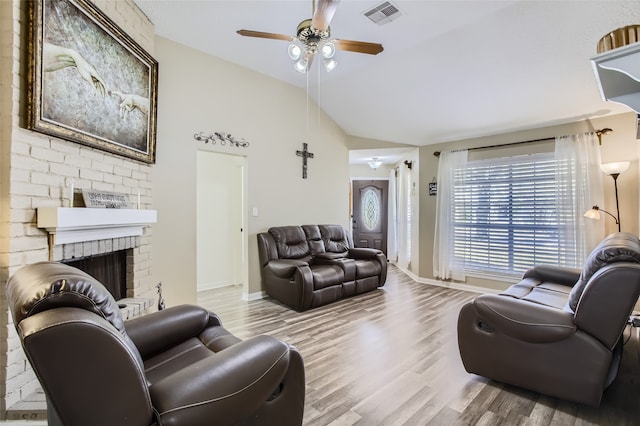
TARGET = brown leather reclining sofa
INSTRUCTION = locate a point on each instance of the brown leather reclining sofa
(559, 330)
(312, 265)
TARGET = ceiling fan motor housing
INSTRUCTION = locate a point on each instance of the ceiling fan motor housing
(310, 36)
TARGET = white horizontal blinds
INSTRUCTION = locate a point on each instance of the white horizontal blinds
(505, 215)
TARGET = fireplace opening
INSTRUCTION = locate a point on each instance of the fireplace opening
(110, 269)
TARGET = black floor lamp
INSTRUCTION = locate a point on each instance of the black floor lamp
(614, 170)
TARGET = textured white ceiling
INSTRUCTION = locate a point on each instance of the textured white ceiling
(449, 70)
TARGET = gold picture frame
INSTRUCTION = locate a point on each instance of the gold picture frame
(89, 82)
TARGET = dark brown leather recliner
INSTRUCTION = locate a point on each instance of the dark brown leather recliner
(312, 265)
(559, 330)
(177, 366)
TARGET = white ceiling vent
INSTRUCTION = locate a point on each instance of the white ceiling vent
(383, 13)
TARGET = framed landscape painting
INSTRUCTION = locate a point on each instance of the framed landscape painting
(89, 82)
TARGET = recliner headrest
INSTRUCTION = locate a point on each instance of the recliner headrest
(335, 238)
(290, 241)
(48, 285)
(617, 247)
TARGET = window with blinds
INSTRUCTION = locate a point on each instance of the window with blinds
(505, 217)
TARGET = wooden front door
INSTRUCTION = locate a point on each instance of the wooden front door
(370, 214)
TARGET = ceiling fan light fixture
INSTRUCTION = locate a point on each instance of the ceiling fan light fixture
(328, 49)
(314, 36)
(294, 51)
(330, 64)
(301, 65)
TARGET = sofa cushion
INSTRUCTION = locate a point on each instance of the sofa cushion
(335, 238)
(617, 247)
(290, 241)
(316, 245)
(326, 276)
(367, 268)
(540, 292)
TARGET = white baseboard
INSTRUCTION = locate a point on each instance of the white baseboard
(246, 297)
(448, 284)
(254, 296)
(214, 285)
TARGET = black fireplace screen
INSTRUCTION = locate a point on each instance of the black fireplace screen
(110, 269)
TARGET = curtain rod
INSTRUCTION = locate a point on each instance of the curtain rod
(599, 132)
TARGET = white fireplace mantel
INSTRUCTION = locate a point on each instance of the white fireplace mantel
(78, 224)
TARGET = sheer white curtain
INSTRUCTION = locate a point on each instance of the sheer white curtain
(404, 212)
(444, 265)
(579, 187)
(392, 233)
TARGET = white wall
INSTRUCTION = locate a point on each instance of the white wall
(201, 93)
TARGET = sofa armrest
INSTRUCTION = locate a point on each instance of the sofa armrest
(285, 268)
(371, 254)
(523, 320)
(554, 274)
(159, 330)
(347, 265)
(329, 256)
(363, 253)
(224, 387)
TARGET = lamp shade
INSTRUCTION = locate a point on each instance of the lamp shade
(614, 168)
(592, 213)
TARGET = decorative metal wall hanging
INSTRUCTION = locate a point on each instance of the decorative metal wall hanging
(305, 154)
(223, 137)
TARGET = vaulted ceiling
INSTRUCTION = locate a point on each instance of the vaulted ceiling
(449, 70)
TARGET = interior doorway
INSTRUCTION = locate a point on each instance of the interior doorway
(369, 219)
(221, 221)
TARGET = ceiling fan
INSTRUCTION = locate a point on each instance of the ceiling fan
(314, 35)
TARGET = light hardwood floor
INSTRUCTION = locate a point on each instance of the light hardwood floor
(390, 357)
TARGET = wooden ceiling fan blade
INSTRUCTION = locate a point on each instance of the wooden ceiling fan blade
(359, 46)
(324, 14)
(260, 34)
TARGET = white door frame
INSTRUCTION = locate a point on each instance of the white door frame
(240, 273)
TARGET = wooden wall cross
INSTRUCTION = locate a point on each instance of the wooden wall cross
(304, 154)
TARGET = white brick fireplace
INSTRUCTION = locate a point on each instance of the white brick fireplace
(79, 233)
(36, 173)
